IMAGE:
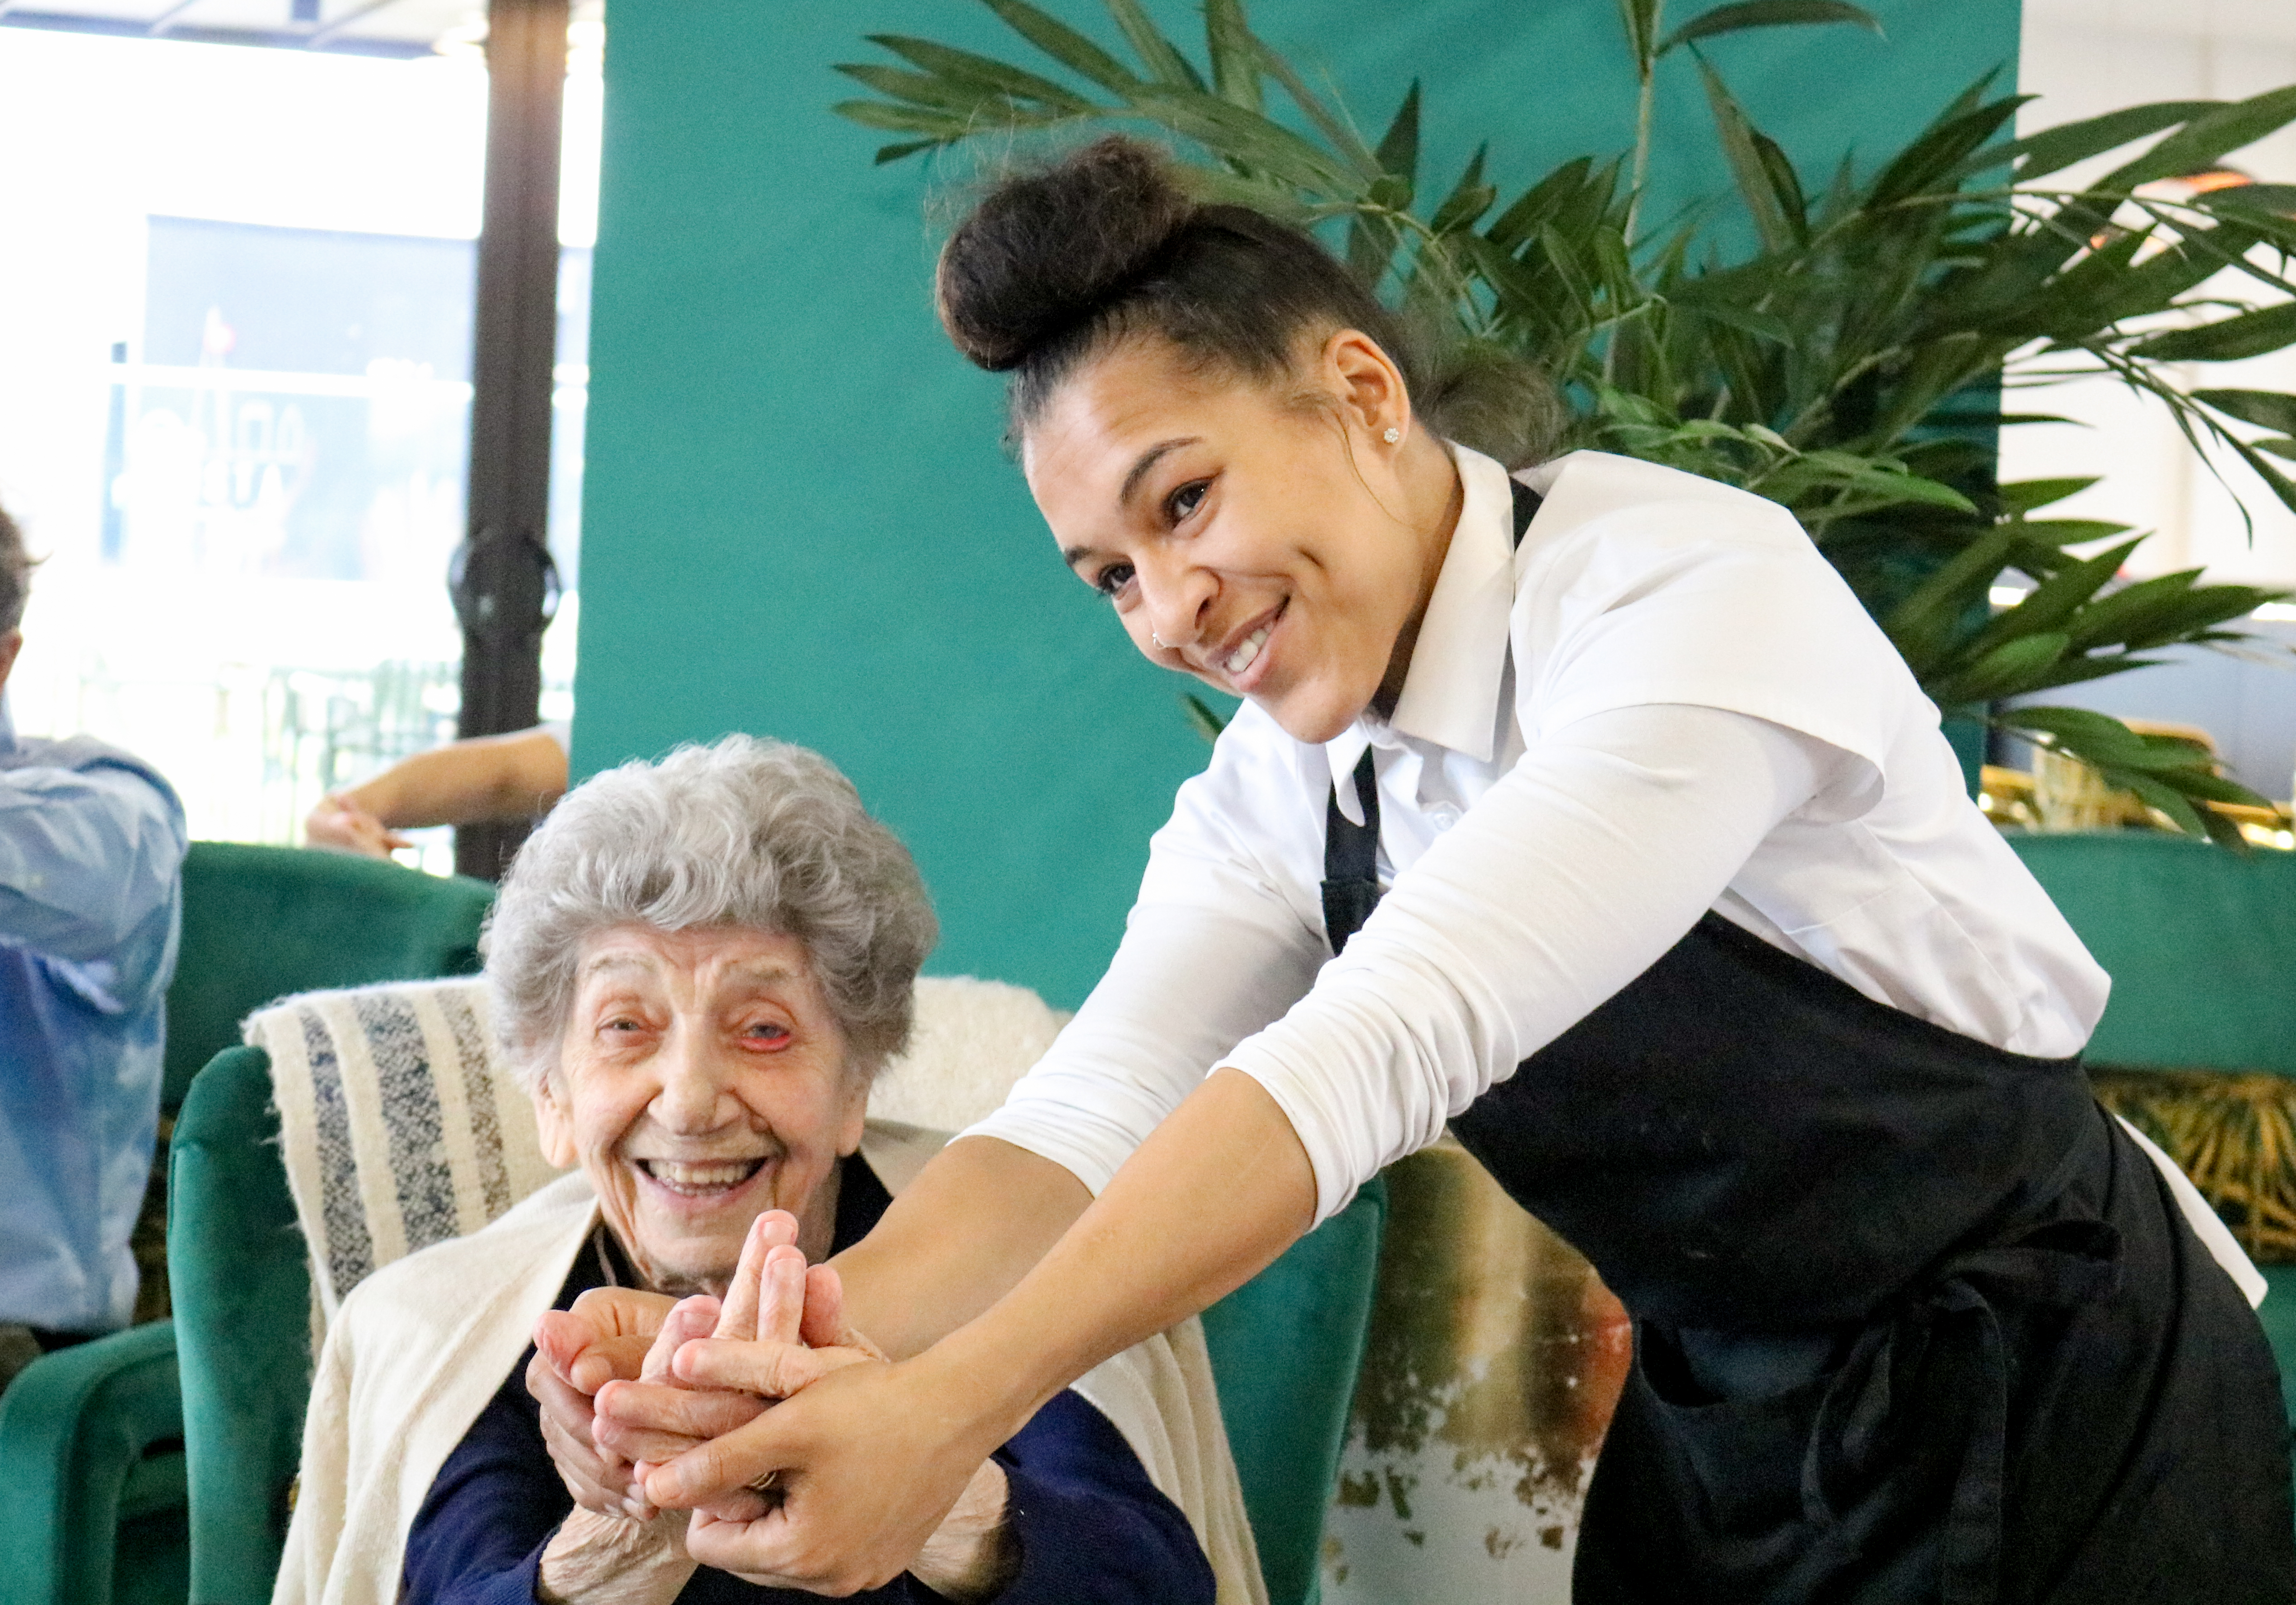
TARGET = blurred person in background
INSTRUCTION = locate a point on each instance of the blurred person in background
(92, 846)
(478, 781)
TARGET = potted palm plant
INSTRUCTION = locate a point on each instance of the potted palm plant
(1852, 363)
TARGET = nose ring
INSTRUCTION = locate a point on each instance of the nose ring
(1158, 640)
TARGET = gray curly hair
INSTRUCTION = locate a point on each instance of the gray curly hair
(750, 833)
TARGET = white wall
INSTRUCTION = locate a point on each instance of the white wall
(2083, 58)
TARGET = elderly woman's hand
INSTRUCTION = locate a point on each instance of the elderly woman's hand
(764, 1315)
(594, 1560)
(803, 1336)
(606, 1335)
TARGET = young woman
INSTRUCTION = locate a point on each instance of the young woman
(1583, 809)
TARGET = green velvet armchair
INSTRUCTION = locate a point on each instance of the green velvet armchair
(93, 1469)
(260, 923)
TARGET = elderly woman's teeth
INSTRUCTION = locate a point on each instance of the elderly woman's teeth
(695, 1180)
(1246, 655)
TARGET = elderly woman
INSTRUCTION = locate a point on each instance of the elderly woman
(697, 968)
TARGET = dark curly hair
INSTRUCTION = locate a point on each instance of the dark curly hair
(1057, 263)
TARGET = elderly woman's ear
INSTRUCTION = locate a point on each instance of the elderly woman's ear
(553, 1123)
(857, 1116)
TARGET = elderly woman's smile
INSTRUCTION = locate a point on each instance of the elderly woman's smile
(701, 1079)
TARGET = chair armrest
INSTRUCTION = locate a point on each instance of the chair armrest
(242, 1308)
(1285, 1348)
(74, 1427)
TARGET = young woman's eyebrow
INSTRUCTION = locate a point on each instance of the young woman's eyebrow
(1074, 555)
(1148, 459)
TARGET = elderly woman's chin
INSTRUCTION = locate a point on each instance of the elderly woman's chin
(688, 1238)
(683, 1223)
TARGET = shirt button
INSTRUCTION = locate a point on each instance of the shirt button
(1442, 816)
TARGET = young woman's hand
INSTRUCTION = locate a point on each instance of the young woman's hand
(659, 1415)
(871, 1459)
(961, 1550)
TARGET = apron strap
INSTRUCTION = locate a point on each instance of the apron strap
(1351, 889)
(1351, 860)
(1526, 507)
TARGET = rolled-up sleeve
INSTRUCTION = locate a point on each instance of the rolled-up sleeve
(1212, 951)
(1587, 862)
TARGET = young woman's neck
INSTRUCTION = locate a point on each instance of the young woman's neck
(1434, 494)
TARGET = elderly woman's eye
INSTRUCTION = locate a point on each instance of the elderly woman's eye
(1110, 581)
(770, 1032)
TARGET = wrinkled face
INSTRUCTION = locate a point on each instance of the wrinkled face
(700, 1081)
(1268, 544)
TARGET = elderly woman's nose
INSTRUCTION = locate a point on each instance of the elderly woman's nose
(695, 1092)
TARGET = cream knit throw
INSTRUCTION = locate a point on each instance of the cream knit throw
(400, 1131)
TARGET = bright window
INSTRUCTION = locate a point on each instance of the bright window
(237, 403)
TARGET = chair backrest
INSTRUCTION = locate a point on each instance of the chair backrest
(1285, 1348)
(400, 1125)
(2200, 943)
(260, 923)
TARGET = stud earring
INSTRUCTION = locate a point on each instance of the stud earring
(1392, 435)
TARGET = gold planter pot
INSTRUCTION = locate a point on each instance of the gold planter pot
(1495, 1358)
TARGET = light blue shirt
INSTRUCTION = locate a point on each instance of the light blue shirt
(91, 896)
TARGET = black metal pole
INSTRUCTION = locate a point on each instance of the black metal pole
(503, 583)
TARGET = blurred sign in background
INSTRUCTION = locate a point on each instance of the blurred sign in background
(236, 405)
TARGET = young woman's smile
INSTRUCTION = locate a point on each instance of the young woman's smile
(1264, 537)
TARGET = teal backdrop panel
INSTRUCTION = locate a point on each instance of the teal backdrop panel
(798, 518)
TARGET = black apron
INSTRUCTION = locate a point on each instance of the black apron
(1914, 1320)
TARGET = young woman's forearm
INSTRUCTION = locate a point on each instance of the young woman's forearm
(1221, 1190)
(961, 1235)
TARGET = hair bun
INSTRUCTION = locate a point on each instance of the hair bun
(1045, 251)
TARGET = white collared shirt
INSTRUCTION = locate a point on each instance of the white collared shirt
(1664, 701)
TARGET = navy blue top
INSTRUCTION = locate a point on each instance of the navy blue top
(1091, 1528)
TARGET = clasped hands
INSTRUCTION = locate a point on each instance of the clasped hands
(629, 1383)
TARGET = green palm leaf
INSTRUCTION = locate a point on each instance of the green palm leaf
(1841, 367)
(1767, 13)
